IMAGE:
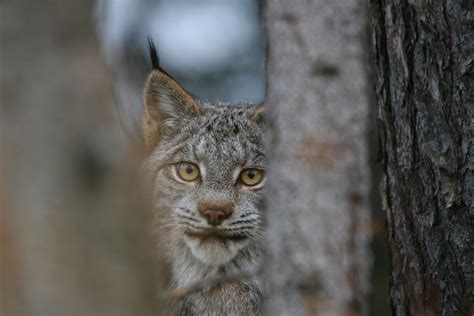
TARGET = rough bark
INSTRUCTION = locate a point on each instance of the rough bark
(425, 90)
(74, 229)
(317, 259)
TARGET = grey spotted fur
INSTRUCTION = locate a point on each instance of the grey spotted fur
(220, 140)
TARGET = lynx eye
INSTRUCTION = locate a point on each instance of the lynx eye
(187, 171)
(251, 177)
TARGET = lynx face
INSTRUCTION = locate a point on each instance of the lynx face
(209, 177)
(208, 167)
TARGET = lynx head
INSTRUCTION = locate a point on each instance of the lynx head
(208, 168)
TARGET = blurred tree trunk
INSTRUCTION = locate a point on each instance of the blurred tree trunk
(318, 259)
(76, 217)
(425, 91)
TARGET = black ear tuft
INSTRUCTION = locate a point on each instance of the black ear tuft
(155, 60)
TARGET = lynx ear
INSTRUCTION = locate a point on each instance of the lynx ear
(166, 103)
(259, 114)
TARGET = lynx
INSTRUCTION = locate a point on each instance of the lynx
(207, 164)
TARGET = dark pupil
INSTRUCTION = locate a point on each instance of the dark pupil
(251, 174)
(189, 169)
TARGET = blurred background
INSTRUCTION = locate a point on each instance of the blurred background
(75, 218)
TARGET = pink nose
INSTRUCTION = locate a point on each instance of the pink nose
(215, 214)
(214, 217)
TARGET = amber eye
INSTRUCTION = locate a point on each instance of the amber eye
(251, 177)
(188, 171)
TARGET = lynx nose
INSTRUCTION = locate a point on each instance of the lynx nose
(214, 215)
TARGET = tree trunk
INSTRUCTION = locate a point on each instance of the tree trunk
(74, 229)
(425, 90)
(317, 259)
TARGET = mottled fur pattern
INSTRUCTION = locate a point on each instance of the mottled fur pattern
(217, 262)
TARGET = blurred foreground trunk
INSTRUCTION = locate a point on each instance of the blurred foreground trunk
(74, 228)
(318, 259)
(425, 91)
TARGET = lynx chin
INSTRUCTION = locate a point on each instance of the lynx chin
(207, 166)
